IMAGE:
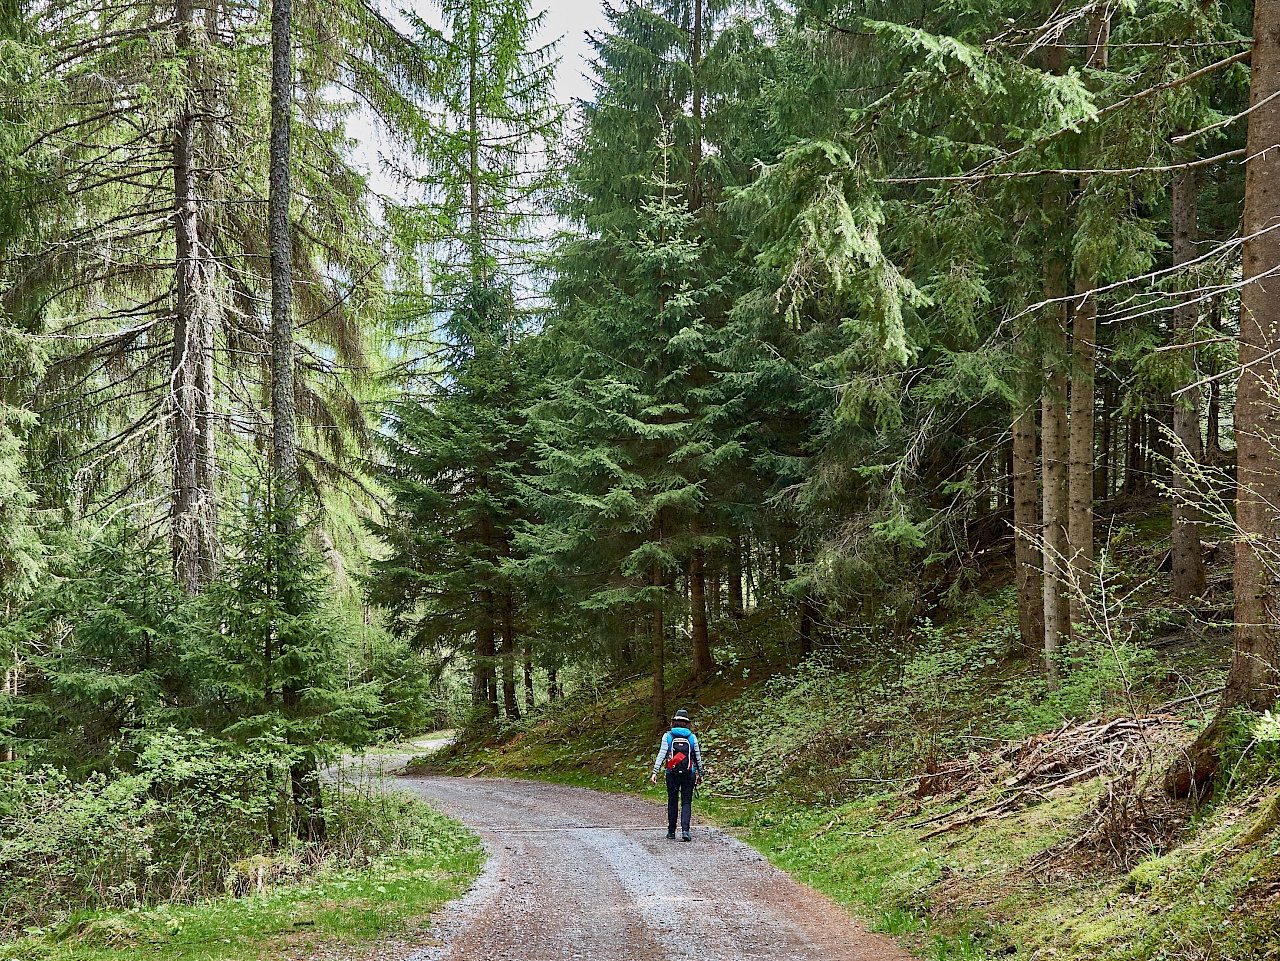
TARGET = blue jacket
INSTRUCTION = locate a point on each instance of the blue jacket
(664, 749)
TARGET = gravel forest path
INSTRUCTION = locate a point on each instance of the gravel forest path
(580, 874)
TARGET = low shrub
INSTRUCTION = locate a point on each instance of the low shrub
(197, 817)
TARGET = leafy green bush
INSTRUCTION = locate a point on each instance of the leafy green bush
(1250, 749)
(173, 829)
(169, 830)
(1104, 679)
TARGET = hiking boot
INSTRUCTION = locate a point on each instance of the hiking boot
(671, 835)
(686, 837)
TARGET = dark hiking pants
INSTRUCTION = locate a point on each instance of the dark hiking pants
(679, 799)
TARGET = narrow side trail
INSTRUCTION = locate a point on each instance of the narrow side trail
(579, 874)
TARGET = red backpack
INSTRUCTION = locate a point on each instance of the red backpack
(680, 761)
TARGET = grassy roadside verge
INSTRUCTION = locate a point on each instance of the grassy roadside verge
(345, 904)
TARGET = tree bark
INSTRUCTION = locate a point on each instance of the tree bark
(1084, 334)
(308, 802)
(1096, 50)
(1213, 417)
(735, 576)
(695, 152)
(1054, 469)
(806, 626)
(486, 686)
(509, 660)
(1026, 530)
(1161, 445)
(658, 700)
(1080, 470)
(704, 664)
(712, 578)
(528, 674)
(1102, 476)
(1252, 679)
(1187, 561)
(283, 411)
(1054, 440)
(1006, 480)
(1132, 444)
(981, 487)
(190, 381)
(474, 226)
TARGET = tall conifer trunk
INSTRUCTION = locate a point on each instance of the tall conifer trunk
(304, 781)
(1187, 561)
(1005, 503)
(1252, 679)
(1106, 410)
(1213, 415)
(1054, 441)
(509, 704)
(473, 147)
(486, 691)
(1026, 530)
(528, 674)
(695, 152)
(191, 362)
(1132, 450)
(806, 626)
(1054, 470)
(735, 575)
(704, 664)
(1080, 471)
(658, 698)
(1084, 333)
(207, 454)
(284, 450)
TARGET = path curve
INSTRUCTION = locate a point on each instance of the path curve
(579, 874)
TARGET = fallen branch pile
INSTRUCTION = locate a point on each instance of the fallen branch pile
(1005, 778)
(1132, 820)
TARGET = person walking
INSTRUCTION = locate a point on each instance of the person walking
(683, 760)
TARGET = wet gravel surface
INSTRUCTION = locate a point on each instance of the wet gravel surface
(579, 874)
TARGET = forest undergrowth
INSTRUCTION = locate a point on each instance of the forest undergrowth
(178, 861)
(948, 798)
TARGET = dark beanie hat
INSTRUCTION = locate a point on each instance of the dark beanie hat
(682, 715)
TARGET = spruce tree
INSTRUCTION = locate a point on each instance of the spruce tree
(149, 268)
(458, 446)
(115, 658)
(272, 657)
(455, 458)
(1256, 656)
(645, 347)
